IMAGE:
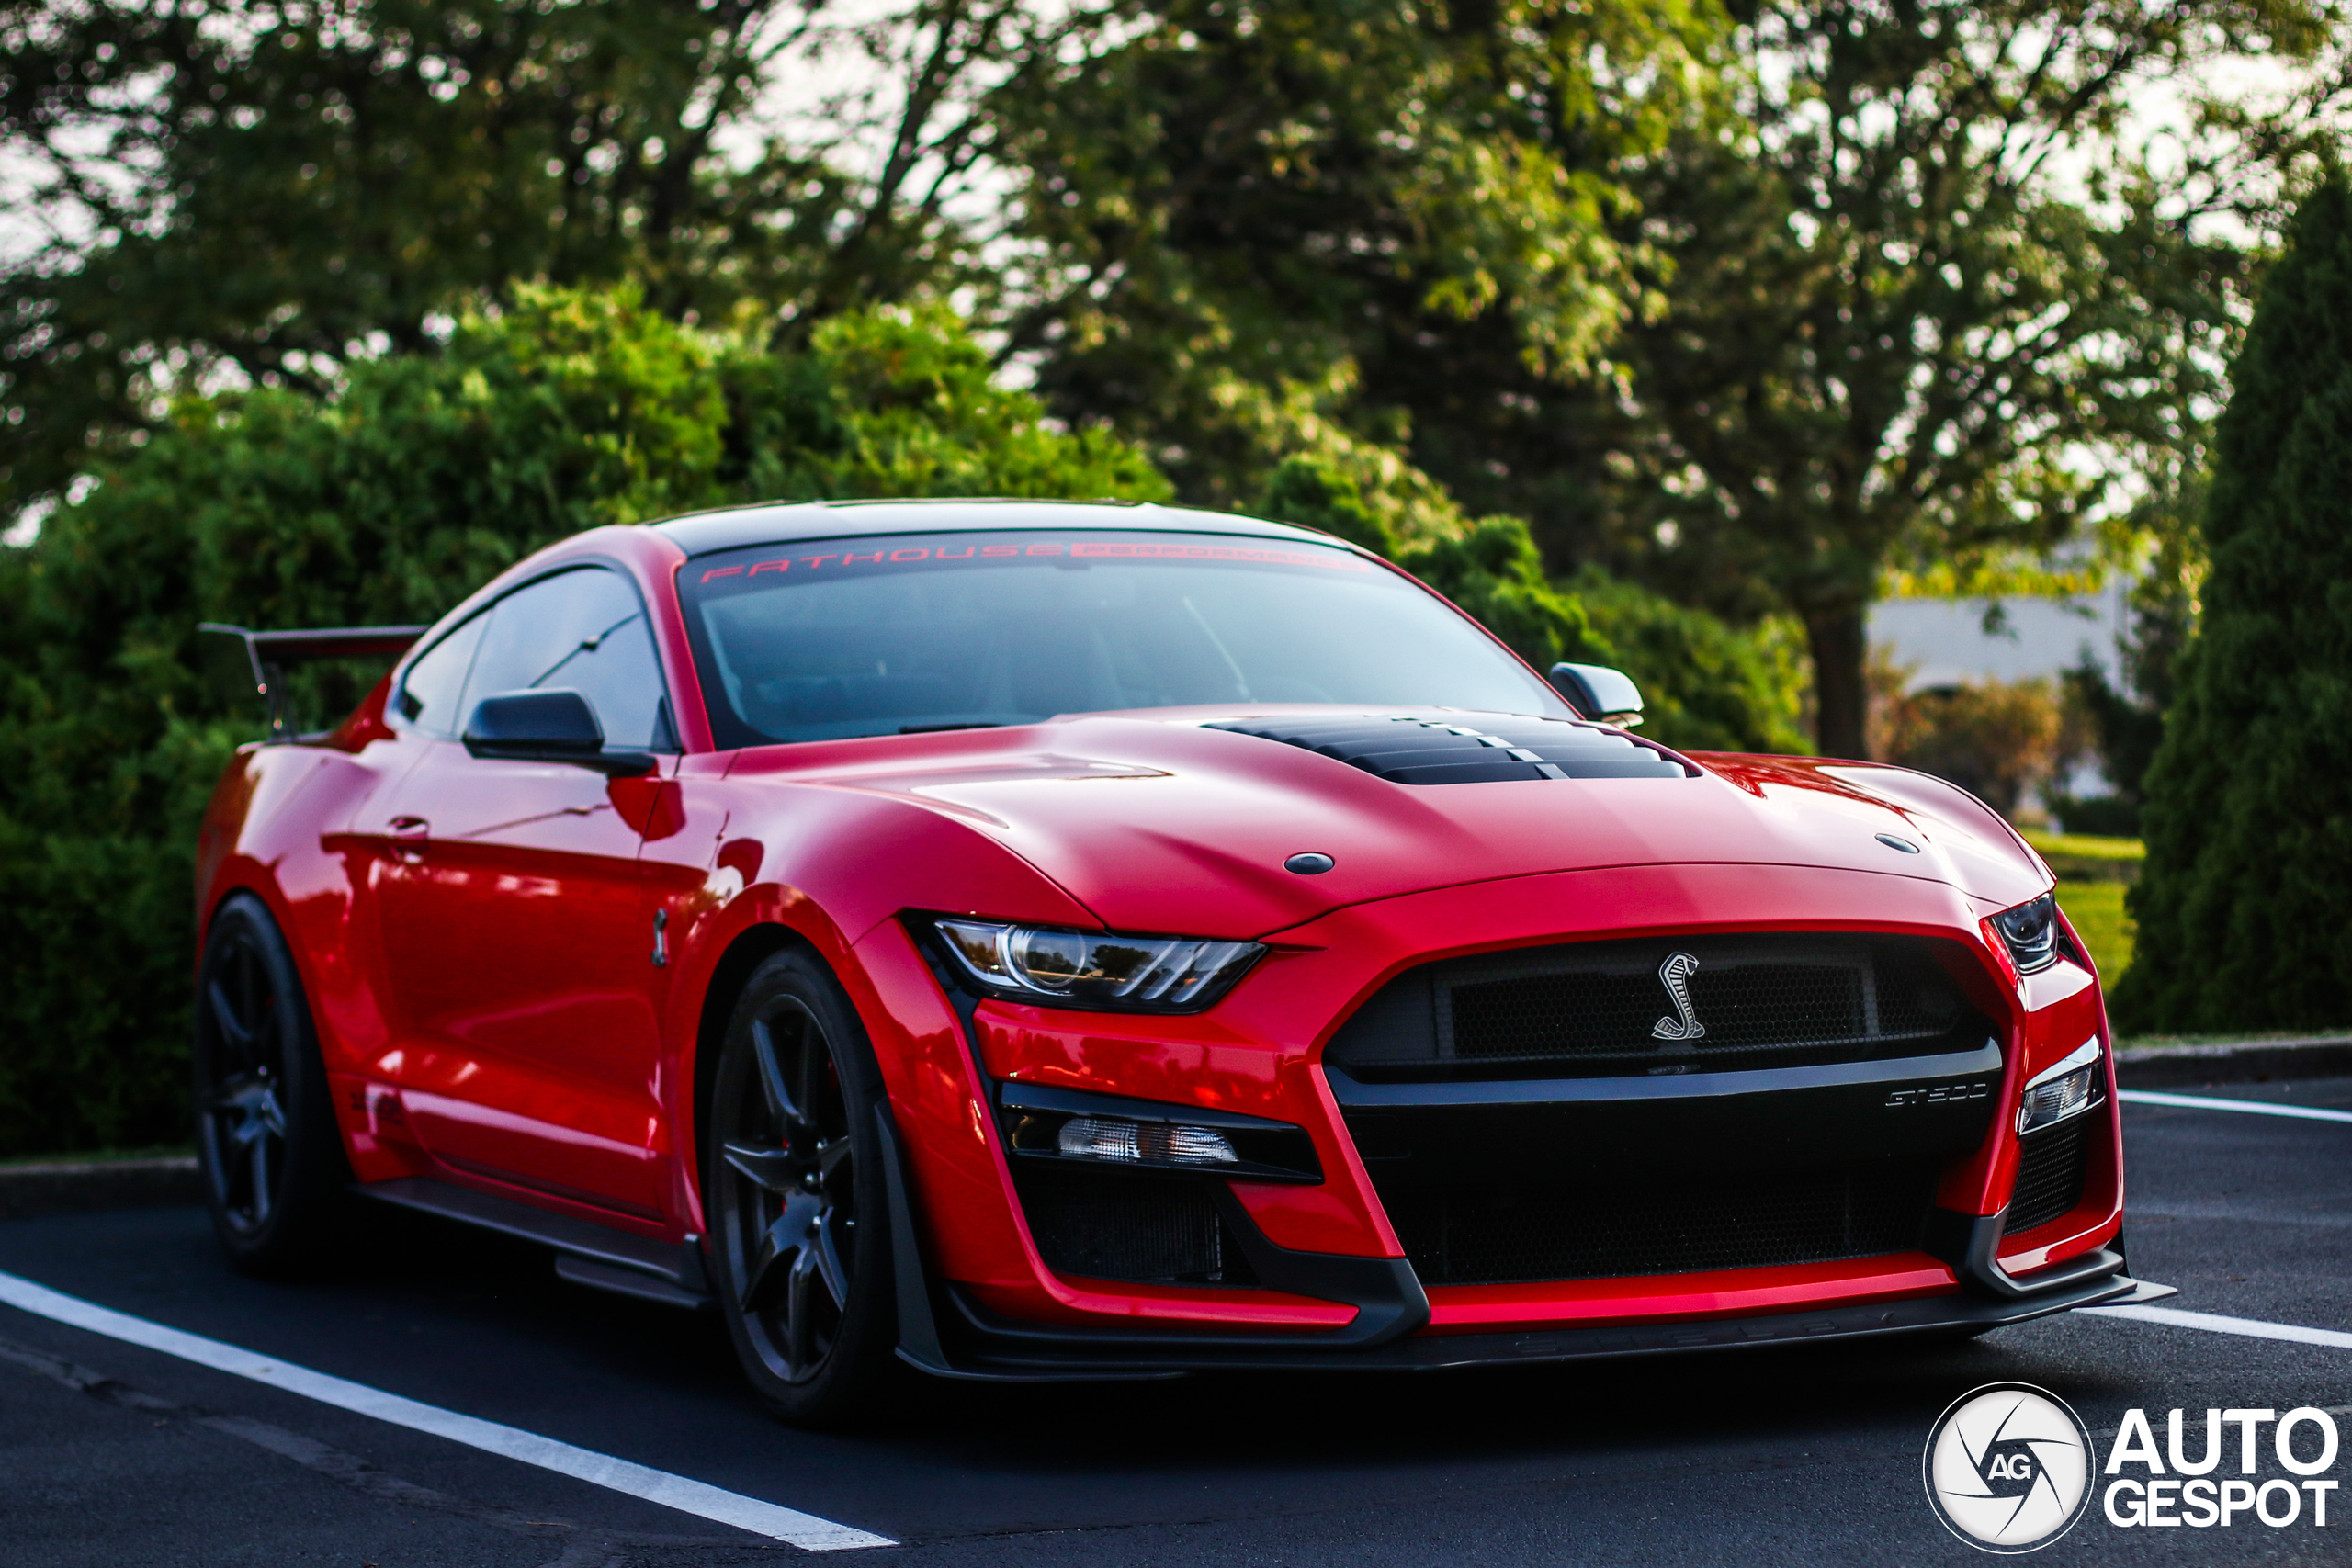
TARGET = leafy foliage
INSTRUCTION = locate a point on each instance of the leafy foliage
(2245, 913)
(1800, 300)
(268, 189)
(1229, 191)
(387, 502)
(2128, 722)
(1994, 738)
(1708, 687)
(1891, 331)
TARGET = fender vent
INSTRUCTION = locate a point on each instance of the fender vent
(1495, 748)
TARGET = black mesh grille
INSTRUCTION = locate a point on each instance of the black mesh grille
(1605, 1007)
(2051, 1166)
(1120, 1226)
(1488, 1235)
(1466, 747)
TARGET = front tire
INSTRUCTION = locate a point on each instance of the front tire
(274, 1171)
(796, 1199)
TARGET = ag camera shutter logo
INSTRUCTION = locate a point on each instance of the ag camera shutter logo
(2008, 1468)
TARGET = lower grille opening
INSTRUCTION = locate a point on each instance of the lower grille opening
(1497, 1235)
(2053, 1164)
(1147, 1228)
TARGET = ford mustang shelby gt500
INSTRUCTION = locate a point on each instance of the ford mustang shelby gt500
(1033, 939)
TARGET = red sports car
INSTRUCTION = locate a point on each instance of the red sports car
(1032, 940)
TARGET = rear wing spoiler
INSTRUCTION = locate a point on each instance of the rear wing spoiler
(249, 662)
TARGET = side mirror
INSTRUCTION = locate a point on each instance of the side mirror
(547, 727)
(1600, 694)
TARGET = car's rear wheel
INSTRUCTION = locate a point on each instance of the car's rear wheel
(796, 1199)
(274, 1164)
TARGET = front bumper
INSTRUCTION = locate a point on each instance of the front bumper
(946, 1331)
(1332, 1285)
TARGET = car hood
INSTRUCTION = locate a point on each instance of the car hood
(1160, 824)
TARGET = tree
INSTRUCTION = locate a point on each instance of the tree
(2127, 721)
(386, 502)
(1923, 302)
(263, 191)
(1227, 197)
(1707, 687)
(2245, 911)
(1755, 314)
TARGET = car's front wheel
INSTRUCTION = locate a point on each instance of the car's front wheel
(275, 1171)
(795, 1199)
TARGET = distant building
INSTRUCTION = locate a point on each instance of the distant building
(1942, 642)
(1945, 642)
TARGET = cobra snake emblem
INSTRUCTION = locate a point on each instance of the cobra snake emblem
(1675, 976)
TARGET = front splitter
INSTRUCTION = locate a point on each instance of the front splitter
(985, 1346)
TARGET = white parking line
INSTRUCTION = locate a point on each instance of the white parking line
(800, 1529)
(2212, 1323)
(2207, 1102)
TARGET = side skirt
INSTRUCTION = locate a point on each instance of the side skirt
(587, 1253)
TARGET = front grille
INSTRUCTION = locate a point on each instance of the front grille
(1126, 1225)
(1492, 1235)
(1609, 1009)
(2053, 1164)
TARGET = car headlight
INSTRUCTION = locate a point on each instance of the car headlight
(1094, 969)
(2065, 1088)
(2030, 933)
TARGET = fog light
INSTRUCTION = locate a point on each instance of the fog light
(1103, 1137)
(2062, 1091)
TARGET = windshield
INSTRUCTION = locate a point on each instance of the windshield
(915, 632)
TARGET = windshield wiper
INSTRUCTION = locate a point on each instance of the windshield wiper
(935, 729)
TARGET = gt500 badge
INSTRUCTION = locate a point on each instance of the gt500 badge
(1939, 1094)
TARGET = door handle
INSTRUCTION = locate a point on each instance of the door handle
(411, 834)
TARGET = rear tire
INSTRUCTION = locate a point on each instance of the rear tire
(795, 1196)
(274, 1171)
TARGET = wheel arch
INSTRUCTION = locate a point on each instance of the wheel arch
(749, 948)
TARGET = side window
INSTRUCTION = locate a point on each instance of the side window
(582, 630)
(431, 697)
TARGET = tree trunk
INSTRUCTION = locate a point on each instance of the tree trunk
(1839, 639)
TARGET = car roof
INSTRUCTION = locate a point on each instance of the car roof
(735, 527)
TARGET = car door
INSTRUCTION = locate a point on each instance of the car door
(517, 950)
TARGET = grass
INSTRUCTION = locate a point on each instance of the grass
(2078, 857)
(2096, 910)
(100, 1157)
(2083, 846)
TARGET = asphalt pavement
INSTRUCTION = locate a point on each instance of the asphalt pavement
(118, 1454)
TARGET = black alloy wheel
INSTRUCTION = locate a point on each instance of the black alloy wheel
(798, 1223)
(272, 1159)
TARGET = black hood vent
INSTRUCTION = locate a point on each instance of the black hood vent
(1480, 749)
